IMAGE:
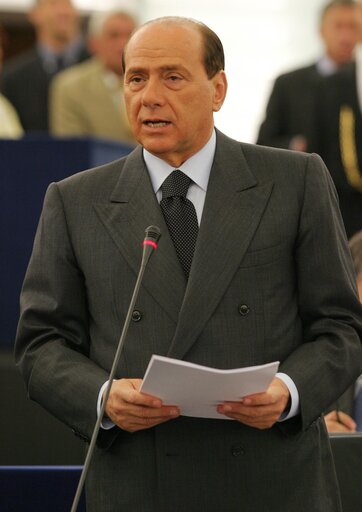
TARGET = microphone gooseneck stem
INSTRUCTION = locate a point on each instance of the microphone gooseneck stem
(148, 248)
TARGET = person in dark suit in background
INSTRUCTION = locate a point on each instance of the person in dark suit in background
(26, 78)
(270, 278)
(337, 133)
(348, 416)
(289, 115)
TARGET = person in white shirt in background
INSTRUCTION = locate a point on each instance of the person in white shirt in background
(10, 126)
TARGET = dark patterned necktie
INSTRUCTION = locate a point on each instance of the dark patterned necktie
(180, 217)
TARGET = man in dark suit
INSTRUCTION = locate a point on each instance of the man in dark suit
(289, 116)
(338, 133)
(26, 79)
(271, 279)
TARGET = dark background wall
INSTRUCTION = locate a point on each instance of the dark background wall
(28, 434)
(19, 33)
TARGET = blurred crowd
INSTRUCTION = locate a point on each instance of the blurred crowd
(70, 84)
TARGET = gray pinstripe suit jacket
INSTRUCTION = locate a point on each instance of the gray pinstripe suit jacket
(271, 238)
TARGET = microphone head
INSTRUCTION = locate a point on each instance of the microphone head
(152, 236)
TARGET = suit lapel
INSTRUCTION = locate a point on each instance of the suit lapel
(233, 208)
(132, 208)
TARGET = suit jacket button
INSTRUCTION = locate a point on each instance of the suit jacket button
(244, 309)
(136, 315)
(237, 450)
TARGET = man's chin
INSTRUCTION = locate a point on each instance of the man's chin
(155, 146)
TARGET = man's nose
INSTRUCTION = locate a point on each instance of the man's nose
(152, 94)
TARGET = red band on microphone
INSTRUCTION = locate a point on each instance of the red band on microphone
(149, 242)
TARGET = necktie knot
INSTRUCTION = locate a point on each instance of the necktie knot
(176, 184)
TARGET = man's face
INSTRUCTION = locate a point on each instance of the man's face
(57, 19)
(339, 33)
(109, 44)
(170, 100)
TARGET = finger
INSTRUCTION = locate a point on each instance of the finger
(250, 416)
(250, 410)
(135, 412)
(260, 423)
(134, 423)
(335, 426)
(346, 420)
(331, 416)
(255, 416)
(129, 392)
(143, 424)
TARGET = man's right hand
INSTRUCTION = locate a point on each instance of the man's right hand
(132, 410)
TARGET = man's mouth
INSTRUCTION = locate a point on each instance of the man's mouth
(156, 123)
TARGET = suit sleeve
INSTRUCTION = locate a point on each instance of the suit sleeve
(329, 358)
(52, 344)
(272, 131)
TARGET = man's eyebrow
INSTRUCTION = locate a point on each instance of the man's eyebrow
(134, 71)
(175, 67)
(169, 67)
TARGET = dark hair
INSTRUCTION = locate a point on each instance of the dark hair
(214, 59)
(336, 3)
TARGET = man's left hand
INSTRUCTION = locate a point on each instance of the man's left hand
(261, 410)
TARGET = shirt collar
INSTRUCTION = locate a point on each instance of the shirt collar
(358, 54)
(197, 167)
(70, 53)
(326, 66)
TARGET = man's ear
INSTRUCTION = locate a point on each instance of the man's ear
(220, 85)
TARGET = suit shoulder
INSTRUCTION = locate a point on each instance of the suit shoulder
(345, 76)
(93, 176)
(20, 64)
(297, 74)
(268, 160)
(76, 74)
(265, 158)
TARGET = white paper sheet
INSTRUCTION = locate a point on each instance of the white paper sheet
(197, 389)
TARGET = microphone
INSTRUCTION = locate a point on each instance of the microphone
(152, 235)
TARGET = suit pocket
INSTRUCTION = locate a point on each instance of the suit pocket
(261, 257)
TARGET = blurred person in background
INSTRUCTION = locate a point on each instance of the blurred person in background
(88, 98)
(348, 416)
(10, 126)
(289, 116)
(26, 78)
(338, 133)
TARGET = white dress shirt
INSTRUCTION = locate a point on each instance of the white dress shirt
(358, 54)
